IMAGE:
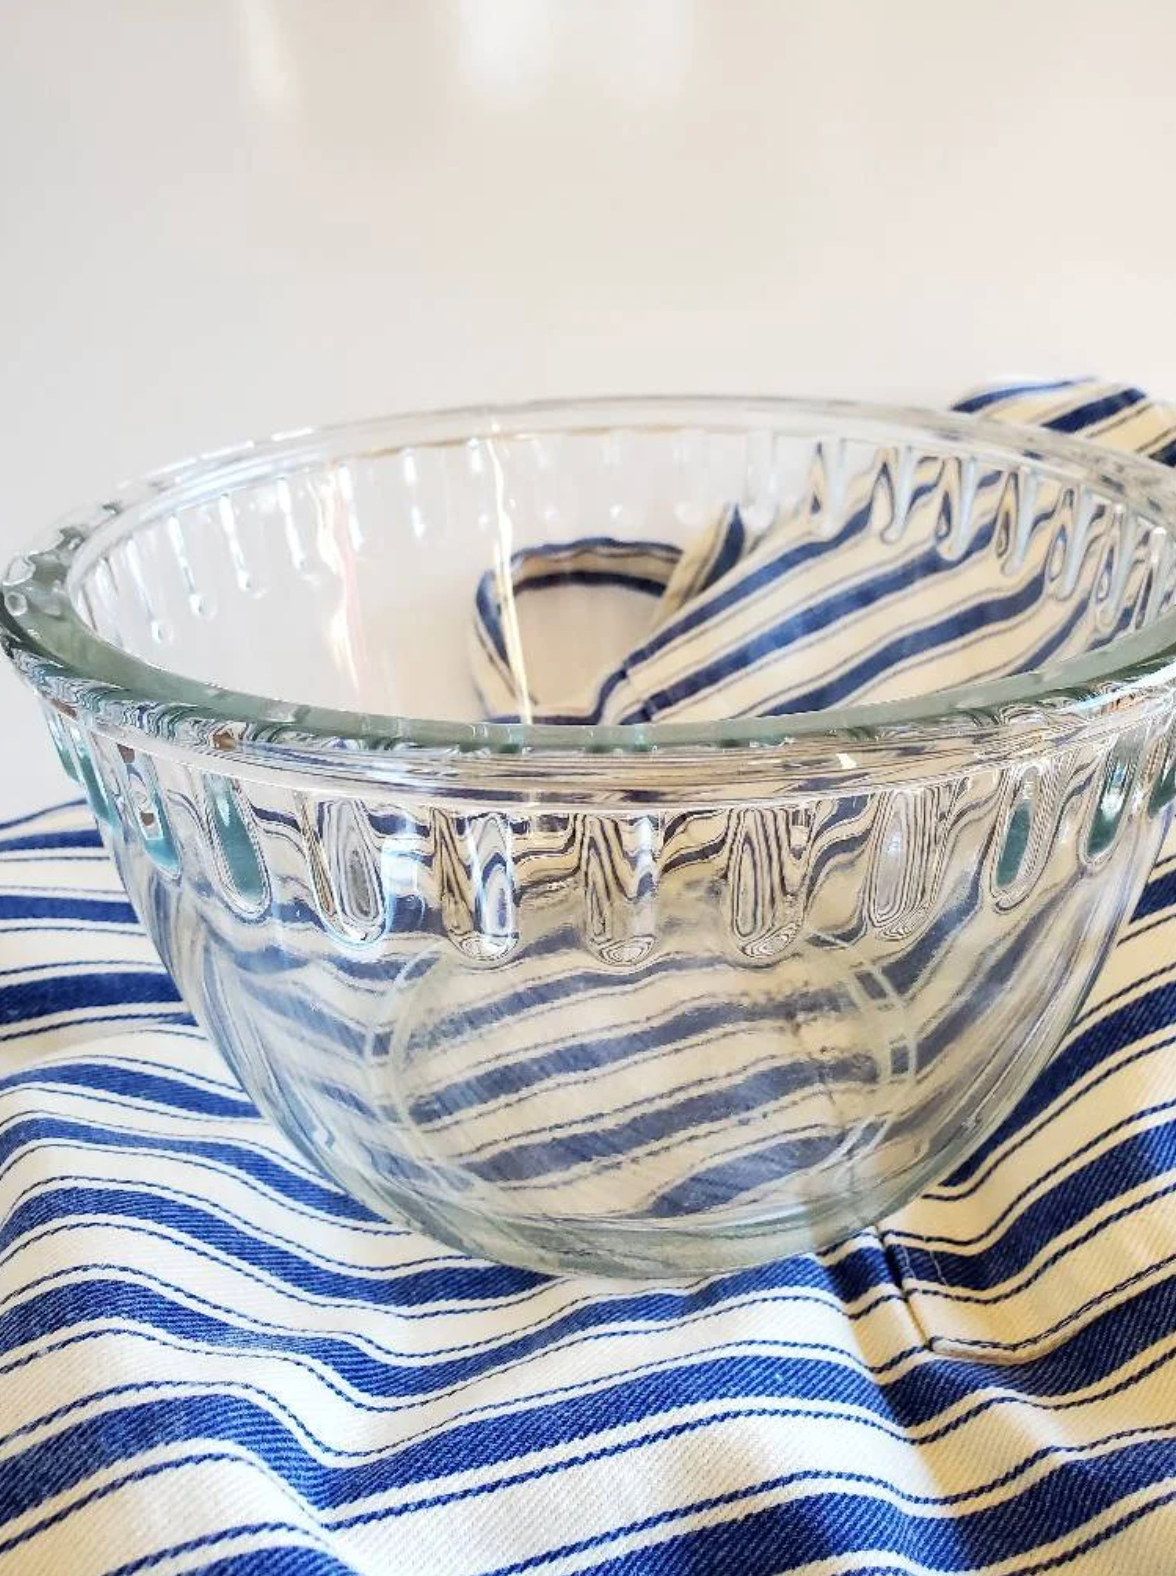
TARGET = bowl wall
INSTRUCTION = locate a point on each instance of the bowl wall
(623, 1009)
(629, 1041)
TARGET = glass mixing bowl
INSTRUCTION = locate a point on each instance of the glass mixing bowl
(725, 967)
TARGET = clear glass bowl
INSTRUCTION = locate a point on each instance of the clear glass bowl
(727, 970)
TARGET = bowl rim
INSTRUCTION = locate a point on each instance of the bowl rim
(75, 669)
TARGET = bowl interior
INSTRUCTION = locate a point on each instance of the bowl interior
(624, 566)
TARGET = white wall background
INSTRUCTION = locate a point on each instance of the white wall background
(222, 217)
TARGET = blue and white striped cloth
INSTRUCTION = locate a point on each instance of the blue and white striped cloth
(211, 1360)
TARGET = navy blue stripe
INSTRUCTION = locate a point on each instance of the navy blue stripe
(140, 1212)
(37, 998)
(901, 647)
(486, 606)
(702, 612)
(823, 1524)
(244, 1157)
(161, 1018)
(702, 1188)
(607, 546)
(995, 396)
(1159, 893)
(486, 597)
(47, 813)
(547, 995)
(1078, 1056)
(676, 1556)
(743, 1410)
(971, 1175)
(733, 546)
(977, 1404)
(59, 1463)
(277, 1560)
(379, 1401)
(578, 1056)
(35, 1194)
(1042, 654)
(48, 842)
(274, 1559)
(1085, 1190)
(1095, 410)
(859, 1279)
(95, 910)
(591, 577)
(1157, 1050)
(774, 640)
(135, 1084)
(115, 1485)
(637, 1126)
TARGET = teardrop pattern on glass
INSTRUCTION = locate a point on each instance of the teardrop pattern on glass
(1026, 829)
(408, 867)
(1111, 802)
(767, 877)
(235, 846)
(827, 487)
(476, 884)
(548, 859)
(1015, 842)
(343, 860)
(196, 561)
(955, 518)
(61, 744)
(1163, 570)
(910, 847)
(882, 515)
(1004, 534)
(1141, 590)
(1028, 488)
(903, 492)
(1111, 575)
(89, 775)
(145, 804)
(1163, 774)
(620, 859)
(1089, 510)
(693, 482)
(1058, 526)
(759, 500)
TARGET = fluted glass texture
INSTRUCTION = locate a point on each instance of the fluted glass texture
(589, 930)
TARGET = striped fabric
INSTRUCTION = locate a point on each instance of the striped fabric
(211, 1360)
(755, 624)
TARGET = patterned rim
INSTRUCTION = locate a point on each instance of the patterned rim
(44, 634)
